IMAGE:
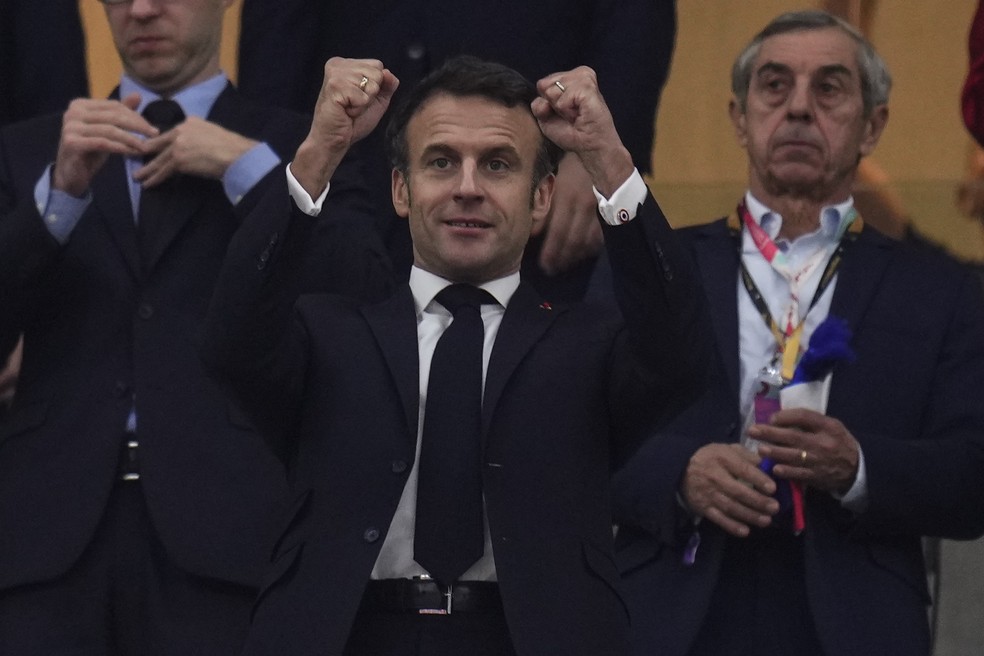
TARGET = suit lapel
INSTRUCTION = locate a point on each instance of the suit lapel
(717, 259)
(858, 280)
(524, 322)
(393, 324)
(860, 276)
(111, 199)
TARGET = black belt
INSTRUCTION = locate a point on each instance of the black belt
(427, 597)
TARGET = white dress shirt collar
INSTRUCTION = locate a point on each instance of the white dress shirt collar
(425, 285)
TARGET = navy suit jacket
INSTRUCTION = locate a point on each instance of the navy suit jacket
(104, 332)
(629, 43)
(912, 399)
(564, 385)
(42, 58)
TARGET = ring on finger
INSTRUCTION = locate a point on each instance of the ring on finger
(559, 85)
(803, 456)
(363, 83)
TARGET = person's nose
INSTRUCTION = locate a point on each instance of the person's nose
(145, 8)
(469, 185)
(800, 104)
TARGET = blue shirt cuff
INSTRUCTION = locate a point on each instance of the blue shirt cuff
(244, 174)
(59, 210)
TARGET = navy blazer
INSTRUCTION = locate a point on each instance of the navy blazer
(104, 332)
(42, 58)
(912, 399)
(564, 385)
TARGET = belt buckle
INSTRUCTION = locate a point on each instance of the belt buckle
(131, 471)
(448, 595)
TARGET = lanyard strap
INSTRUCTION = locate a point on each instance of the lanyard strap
(787, 339)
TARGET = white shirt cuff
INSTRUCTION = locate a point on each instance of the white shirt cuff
(624, 204)
(302, 199)
(856, 498)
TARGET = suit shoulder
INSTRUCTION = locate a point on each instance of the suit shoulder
(917, 254)
(710, 230)
(714, 227)
(283, 129)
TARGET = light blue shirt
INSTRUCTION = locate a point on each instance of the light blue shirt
(61, 212)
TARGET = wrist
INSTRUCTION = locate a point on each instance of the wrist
(313, 166)
(609, 170)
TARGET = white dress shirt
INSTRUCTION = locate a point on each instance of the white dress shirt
(757, 345)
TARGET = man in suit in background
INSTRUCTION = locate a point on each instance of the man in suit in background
(42, 58)
(137, 508)
(629, 43)
(714, 564)
(348, 392)
(36, 78)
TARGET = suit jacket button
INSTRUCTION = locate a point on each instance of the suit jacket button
(415, 51)
(398, 466)
(371, 535)
(145, 311)
(121, 389)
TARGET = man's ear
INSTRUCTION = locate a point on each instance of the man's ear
(737, 115)
(542, 195)
(874, 126)
(401, 194)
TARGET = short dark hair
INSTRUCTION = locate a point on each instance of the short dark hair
(876, 81)
(466, 76)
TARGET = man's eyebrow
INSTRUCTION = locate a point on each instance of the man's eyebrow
(828, 69)
(502, 151)
(437, 148)
(440, 148)
(835, 69)
(772, 67)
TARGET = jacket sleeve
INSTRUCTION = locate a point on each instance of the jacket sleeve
(251, 343)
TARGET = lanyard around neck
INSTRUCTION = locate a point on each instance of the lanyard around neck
(787, 338)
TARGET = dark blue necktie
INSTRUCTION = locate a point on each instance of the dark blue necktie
(154, 201)
(449, 535)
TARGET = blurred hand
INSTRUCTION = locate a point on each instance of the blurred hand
(572, 230)
(573, 114)
(723, 484)
(195, 147)
(92, 130)
(832, 453)
(346, 111)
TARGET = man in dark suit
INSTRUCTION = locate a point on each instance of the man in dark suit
(42, 58)
(36, 79)
(347, 391)
(629, 43)
(137, 507)
(893, 448)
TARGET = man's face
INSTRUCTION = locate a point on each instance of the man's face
(167, 45)
(804, 125)
(469, 191)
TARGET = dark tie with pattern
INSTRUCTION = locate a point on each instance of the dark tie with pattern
(449, 535)
(163, 114)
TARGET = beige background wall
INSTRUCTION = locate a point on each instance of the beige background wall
(698, 169)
